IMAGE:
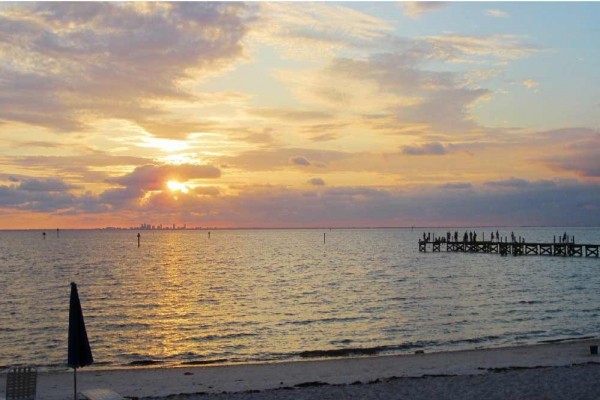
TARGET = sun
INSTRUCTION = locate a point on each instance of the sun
(175, 186)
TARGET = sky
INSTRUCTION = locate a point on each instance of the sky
(297, 114)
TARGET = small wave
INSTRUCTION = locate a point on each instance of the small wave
(363, 351)
(343, 341)
(530, 302)
(210, 338)
(140, 363)
(475, 340)
(319, 321)
(340, 352)
(568, 339)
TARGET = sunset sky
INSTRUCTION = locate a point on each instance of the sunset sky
(299, 114)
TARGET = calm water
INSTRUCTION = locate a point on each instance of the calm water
(251, 295)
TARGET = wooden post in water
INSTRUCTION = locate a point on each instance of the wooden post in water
(57, 233)
(138, 236)
(323, 237)
(209, 234)
(44, 235)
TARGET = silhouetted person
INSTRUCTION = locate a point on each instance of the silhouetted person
(44, 235)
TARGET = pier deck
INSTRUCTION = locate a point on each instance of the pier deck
(514, 248)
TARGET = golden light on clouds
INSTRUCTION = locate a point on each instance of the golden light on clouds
(295, 113)
(175, 186)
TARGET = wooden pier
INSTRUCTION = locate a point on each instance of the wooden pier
(514, 248)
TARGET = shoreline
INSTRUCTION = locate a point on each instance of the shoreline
(213, 379)
(311, 355)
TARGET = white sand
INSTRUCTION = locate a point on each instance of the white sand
(162, 382)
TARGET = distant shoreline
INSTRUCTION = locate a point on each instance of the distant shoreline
(304, 228)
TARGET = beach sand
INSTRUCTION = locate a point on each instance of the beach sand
(544, 371)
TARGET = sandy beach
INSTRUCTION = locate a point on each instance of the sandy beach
(544, 371)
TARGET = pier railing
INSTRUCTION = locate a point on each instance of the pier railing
(514, 248)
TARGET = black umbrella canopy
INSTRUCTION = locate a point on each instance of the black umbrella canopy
(80, 353)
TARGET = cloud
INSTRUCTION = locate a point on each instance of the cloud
(300, 161)
(519, 183)
(318, 29)
(494, 12)
(513, 201)
(457, 185)
(434, 148)
(207, 191)
(281, 158)
(37, 194)
(416, 9)
(154, 177)
(398, 85)
(579, 151)
(290, 114)
(530, 84)
(325, 137)
(45, 185)
(585, 164)
(565, 203)
(324, 132)
(460, 48)
(316, 182)
(84, 167)
(114, 60)
(258, 137)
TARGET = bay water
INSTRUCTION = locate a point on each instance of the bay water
(184, 298)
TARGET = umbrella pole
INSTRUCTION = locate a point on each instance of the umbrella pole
(75, 383)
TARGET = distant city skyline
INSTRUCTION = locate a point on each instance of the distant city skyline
(289, 114)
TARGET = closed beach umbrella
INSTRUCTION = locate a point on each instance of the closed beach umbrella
(80, 353)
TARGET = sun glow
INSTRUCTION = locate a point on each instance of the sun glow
(175, 186)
